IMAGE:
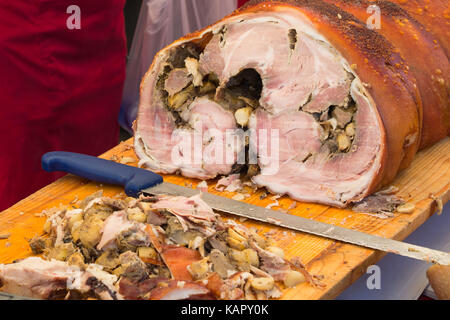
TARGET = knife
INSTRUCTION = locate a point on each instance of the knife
(138, 181)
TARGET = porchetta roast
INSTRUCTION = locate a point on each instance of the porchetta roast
(301, 95)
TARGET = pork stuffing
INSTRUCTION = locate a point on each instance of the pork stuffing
(151, 248)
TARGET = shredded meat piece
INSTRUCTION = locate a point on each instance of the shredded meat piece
(378, 203)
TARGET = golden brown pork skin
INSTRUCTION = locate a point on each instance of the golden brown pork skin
(434, 15)
(391, 89)
(426, 59)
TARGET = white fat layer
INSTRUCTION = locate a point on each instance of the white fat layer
(147, 160)
(183, 293)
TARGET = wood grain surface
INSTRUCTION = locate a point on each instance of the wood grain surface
(338, 264)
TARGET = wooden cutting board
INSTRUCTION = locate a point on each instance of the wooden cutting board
(338, 264)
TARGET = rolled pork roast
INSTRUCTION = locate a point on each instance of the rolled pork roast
(301, 95)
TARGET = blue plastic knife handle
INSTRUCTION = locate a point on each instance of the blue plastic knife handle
(134, 180)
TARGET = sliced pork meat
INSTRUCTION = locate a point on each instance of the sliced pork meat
(37, 278)
(291, 67)
(114, 225)
(229, 183)
(42, 279)
(193, 208)
(177, 80)
(328, 110)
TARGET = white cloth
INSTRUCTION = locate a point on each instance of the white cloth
(160, 23)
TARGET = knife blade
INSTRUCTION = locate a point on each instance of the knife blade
(137, 181)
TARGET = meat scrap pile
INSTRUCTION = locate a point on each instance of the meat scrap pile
(149, 248)
(332, 107)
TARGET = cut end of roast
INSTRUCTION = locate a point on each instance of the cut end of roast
(263, 90)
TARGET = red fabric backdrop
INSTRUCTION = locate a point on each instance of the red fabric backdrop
(242, 2)
(60, 89)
